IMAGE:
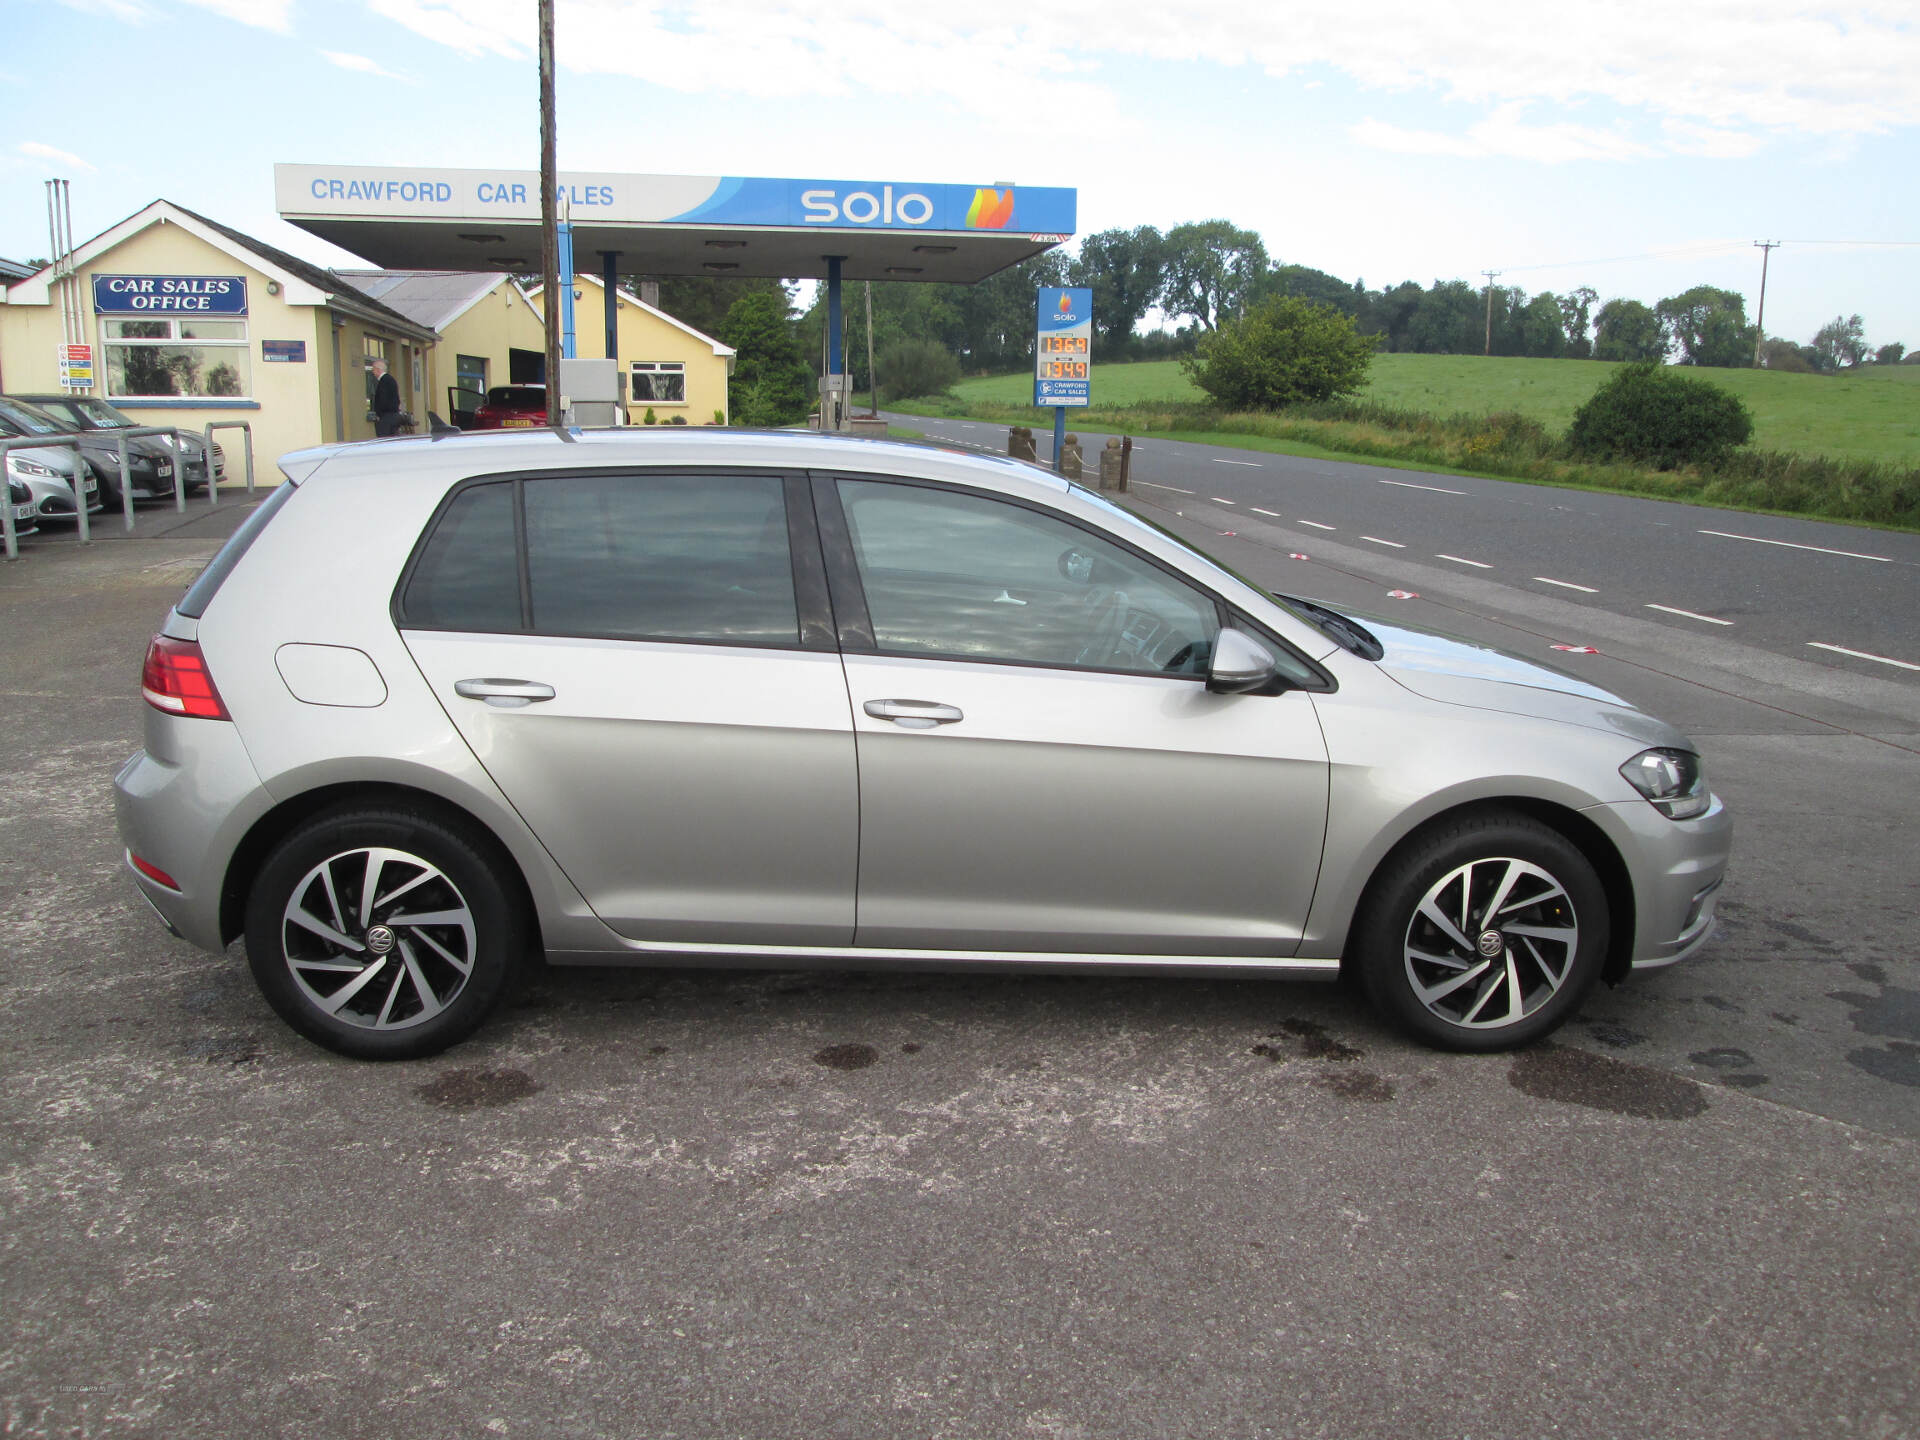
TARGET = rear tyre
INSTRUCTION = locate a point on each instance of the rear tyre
(384, 933)
(1485, 935)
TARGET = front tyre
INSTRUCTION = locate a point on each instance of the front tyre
(1484, 935)
(382, 932)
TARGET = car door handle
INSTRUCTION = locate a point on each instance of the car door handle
(913, 714)
(504, 694)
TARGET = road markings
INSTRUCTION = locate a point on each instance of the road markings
(1219, 501)
(1258, 511)
(1690, 614)
(1793, 545)
(1862, 655)
(1152, 486)
(1566, 585)
(1318, 526)
(1460, 559)
(1409, 485)
(1378, 541)
(1250, 464)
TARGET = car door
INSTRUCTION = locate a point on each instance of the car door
(1042, 767)
(645, 664)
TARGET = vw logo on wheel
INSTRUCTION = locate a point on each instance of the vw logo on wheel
(1492, 942)
(380, 940)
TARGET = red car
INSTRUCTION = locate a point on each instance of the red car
(512, 407)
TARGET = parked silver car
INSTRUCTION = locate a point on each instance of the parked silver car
(51, 474)
(774, 699)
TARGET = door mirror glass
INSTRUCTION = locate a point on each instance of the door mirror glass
(1077, 565)
(1240, 663)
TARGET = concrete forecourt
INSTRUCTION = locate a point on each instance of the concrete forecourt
(685, 1203)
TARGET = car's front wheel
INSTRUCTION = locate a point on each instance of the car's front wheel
(1485, 934)
(383, 933)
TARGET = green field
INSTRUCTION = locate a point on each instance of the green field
(1873, 414)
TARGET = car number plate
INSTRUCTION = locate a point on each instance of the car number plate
(92, 486)
(163, 468)
(517, 424)
(23, 512)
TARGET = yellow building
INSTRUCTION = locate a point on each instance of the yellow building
(188, 321)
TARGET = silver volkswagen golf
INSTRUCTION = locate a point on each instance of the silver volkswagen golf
(788, 700)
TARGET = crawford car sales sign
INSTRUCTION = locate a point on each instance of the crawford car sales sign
(169, 295)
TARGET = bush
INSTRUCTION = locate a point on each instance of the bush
(1284, 351)
(910, 368)
(1653, 415)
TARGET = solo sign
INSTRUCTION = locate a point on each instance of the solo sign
(1063, 348)
(169, 295)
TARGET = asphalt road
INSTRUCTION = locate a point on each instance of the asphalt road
(676, 1203)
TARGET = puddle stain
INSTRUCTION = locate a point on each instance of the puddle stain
(1893, 1014)
(225, 1049)
(1619, 1037)
(476, 1089)
(1898, 1061)
(1722, 1057)
(1312, 1040)
(1358, 1085)
(846, 1057)
(912, 1047)
(1598, 1082)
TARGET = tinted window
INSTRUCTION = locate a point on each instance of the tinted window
(468, 576)
(955, 574)
(522, 397)
(662, 557)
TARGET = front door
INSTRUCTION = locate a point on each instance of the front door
(660, 700)
(1042, 767)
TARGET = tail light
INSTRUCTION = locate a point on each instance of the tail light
(176, 679)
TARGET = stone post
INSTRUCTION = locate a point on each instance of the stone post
(1110, 464)
(1070, 458)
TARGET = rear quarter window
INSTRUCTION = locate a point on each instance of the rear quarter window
(468, 574)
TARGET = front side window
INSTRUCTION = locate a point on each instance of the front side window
(953, 574)
(662, 557)
(178, 356)
(659, 383)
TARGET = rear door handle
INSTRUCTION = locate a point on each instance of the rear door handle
(503, 694)
(913, 714)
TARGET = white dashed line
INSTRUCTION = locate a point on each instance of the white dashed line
(1791, 545)
(1175, 488)
(1409, 485)
(1566, 585)
(1457, 559)
(1862, 655)
(1691, 615)
(1250, 464)
(1258, 511)
(1318, 526)
(1378, 541)
(1219, 501)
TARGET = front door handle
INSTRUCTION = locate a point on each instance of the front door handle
(913, 714)
(503, 694)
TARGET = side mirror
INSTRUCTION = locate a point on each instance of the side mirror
(1076, 565)
(1240, 663)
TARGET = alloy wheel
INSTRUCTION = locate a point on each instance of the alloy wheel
(1491, 942)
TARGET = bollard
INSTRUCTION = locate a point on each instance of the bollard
(1110, 464)
(1020, 444)
(1126, 463)
(126, 483)
(1070, 465)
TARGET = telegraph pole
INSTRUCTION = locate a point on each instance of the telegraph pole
(549, 219)
(1767, 247)
(1490, 274)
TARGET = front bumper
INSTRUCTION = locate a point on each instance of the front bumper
(1676, 867)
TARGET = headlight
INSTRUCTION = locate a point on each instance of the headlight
(30, 467)
(1674, 781)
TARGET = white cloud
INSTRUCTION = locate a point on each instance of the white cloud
(1505, 134)
(131, 12)
(275, 15)
(34, 150)
(1712, 77)
(362, 65)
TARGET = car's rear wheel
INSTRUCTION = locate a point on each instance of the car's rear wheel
(1484, 935)
(383, 933)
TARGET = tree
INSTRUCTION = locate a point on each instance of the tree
(915, 367)
(1840, 343)
(1212, 270)
(1389, 314)
(1787, 356)
(1710, 326)
(1448, 320)
(1657, 416)
(1282, 351)
(1126, 270)
(1576, 307)
(1539, 328)
(1628, 330)
(1315, 285)
(771, 383)
(1889, 354)
(702, 301)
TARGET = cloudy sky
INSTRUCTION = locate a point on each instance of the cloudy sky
(1636, 147)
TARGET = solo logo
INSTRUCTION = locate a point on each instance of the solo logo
(863, 207)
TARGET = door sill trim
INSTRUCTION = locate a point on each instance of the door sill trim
(848, 957)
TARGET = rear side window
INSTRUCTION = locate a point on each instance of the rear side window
(468, 576)
(667, 557)
(200, 594)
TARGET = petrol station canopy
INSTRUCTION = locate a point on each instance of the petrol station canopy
(408, 218)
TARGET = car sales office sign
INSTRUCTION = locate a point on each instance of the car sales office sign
(1063, 348)
(169, 294)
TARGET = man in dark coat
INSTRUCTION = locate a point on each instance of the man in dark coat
(386, 400)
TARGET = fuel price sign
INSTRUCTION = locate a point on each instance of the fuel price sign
(1063, 348)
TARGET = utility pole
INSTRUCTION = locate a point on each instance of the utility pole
(873, 379)
(1767, 247)
(549, 219)
(1490, 274)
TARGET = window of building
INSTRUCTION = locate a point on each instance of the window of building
(659, 382)
(177, 355)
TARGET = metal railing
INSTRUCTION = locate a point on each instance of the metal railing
(121, 437)
(30, 442)
(213, 475)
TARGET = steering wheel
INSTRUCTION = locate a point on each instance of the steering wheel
(1106, 629)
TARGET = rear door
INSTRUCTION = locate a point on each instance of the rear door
(645, 664)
